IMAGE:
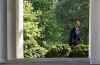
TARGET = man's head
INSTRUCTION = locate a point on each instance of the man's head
(77, 24)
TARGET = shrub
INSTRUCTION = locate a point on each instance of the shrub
(59, 50)
(37, 52)
(33, 50)
(80, 50)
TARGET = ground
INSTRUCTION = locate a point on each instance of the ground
(49, 61)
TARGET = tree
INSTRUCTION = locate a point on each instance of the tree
(29, 15)
(68, 12)
(32, 48)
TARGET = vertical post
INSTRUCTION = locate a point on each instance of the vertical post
(91, 33)
(15, 29)
(11, 29)
(94, 37)
(19, 29)
(3, 30)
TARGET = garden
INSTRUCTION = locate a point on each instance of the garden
(47, 25)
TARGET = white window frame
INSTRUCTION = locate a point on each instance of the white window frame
(15, 30)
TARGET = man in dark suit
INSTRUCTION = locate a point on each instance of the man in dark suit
(75, 34)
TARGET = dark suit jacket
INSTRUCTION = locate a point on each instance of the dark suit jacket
(74, 37)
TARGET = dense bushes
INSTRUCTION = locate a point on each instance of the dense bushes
(36, 52)
(59, 50)
(80, 50)
(33, 50)
(32, 31)
(64, 50)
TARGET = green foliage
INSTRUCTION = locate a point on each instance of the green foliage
(33, 50)
(29, 15)
(49, 21)
(52, 32)
(43, 5)
(59, 50)
(68, 12)
(31, 31)
(80, 50)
